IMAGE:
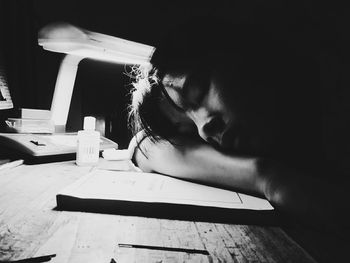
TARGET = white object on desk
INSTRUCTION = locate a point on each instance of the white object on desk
(117, 165)
(36, 114)
(47, 144)
(88, 143)
(20, 125)
(12, 164)
(113, 154)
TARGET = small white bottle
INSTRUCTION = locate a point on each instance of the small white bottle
(88, 143)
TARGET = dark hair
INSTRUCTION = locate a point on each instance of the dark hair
(190, 44)
(255, 54)
(144, 111)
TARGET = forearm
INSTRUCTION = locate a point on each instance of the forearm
(201, 163)
(295, 192)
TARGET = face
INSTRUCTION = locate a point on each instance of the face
(222, 110)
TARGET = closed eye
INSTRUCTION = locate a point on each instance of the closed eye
(195, 90)
(170, 100)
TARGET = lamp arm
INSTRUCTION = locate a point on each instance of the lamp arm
(63, 91)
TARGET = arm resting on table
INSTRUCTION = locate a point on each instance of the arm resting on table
(294, 192)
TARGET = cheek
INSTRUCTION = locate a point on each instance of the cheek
(182, 123)
(221, 105)
(175, 96)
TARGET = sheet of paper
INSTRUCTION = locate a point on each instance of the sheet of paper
(151, 187)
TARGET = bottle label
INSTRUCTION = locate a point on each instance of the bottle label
(87, 152)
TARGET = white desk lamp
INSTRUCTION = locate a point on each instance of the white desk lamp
(78, 44)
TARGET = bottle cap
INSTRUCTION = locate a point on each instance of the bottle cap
(89, 123)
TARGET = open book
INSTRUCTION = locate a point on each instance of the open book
(155, 195)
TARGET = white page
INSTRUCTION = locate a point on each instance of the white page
(155, 188)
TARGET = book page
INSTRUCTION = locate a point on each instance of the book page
(156, 188)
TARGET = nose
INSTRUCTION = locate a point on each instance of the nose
(212, 129)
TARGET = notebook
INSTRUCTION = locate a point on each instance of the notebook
(155, 195)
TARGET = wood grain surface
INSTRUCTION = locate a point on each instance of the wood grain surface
(30, 226)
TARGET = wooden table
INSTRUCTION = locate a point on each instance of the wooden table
(29, 226)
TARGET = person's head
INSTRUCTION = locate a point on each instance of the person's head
(217, 80)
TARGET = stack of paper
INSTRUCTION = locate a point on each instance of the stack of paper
(151, 194)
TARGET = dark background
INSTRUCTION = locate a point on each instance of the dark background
(101, 89)
(318, 30)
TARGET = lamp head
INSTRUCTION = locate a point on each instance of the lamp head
(69, 39)
(77, 44)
